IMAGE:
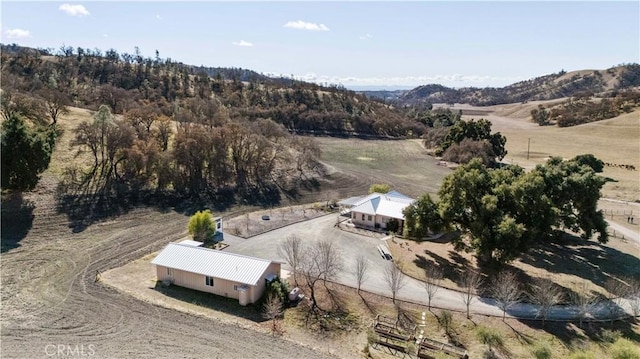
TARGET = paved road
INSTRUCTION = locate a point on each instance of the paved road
(352, 245)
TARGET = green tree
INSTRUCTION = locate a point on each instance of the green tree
(477, 131)
(379, 188)
(503, 211)
(26, 153)
(468, 201)
(422, 217)
(573, 188)
(201, 226)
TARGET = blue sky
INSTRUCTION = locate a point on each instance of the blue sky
(355, 44)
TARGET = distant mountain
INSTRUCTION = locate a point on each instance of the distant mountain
(383, 94)
(548, 87)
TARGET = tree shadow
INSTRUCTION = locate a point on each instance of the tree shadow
(84, 208)
(589, 260)
(571, 334)
(16, 220)
(450, 269)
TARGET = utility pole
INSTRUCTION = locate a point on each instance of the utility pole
(528, 147)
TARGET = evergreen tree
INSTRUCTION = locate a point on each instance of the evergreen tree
(26, 153)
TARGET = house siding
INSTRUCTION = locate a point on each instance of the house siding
(356, 218)
(221, 287)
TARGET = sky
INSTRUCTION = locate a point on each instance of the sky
(357, 44)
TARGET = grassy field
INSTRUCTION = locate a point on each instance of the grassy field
(615, 141)
(404, 165)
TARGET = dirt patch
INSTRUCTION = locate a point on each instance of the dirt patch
(254, 223)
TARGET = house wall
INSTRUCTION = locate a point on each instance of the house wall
(220, 287)
(258, 289)
(356, 218)
(196, 281)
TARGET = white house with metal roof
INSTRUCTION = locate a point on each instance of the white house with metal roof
(377, 209)
(213, 271)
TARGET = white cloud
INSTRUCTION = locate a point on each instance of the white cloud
(17, 33)
(453, 80)
(303, 25)
(242, 43)
(74, 10)
(366, 37)
(158, 17)
(105, 35)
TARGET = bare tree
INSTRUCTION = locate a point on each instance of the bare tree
(293, 252)
(55, 102)
(634, 295)
(470, 282)
(584, 301)
(273, 311)
(360, 270)
(394, 278)
(617, 290)
(320, 262)
(433, 277)
(505, 289)
(545, 294)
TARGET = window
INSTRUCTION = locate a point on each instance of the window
(218, 225)
(235, 287)
(369, 218)
(169, 272)
(363, 216)
(209, 281)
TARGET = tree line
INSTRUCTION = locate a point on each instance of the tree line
(584, 108)
(145, 150)
(89, 78)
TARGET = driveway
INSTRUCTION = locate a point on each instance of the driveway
(352, 245)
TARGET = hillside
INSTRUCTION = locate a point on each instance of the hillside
(88, 78)
(548, 87)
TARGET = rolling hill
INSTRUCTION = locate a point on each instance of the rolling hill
(547, 87)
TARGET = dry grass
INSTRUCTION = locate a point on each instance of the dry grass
(567, 264)
(615, 141)
(520, 337)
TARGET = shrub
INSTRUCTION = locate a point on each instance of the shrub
(610, 336)
(278, 288)
(541, 351)
(624, 349)
(490, 337)
(445, 320)
(582, 355)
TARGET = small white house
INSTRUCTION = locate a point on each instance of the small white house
(377, 209)
(217, 272)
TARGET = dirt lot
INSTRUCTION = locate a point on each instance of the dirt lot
(50, 297)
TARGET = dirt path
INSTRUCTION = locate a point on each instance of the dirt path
(50, 299)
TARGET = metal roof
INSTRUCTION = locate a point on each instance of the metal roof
(189, 242)
(384, 205)
(212, 263)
